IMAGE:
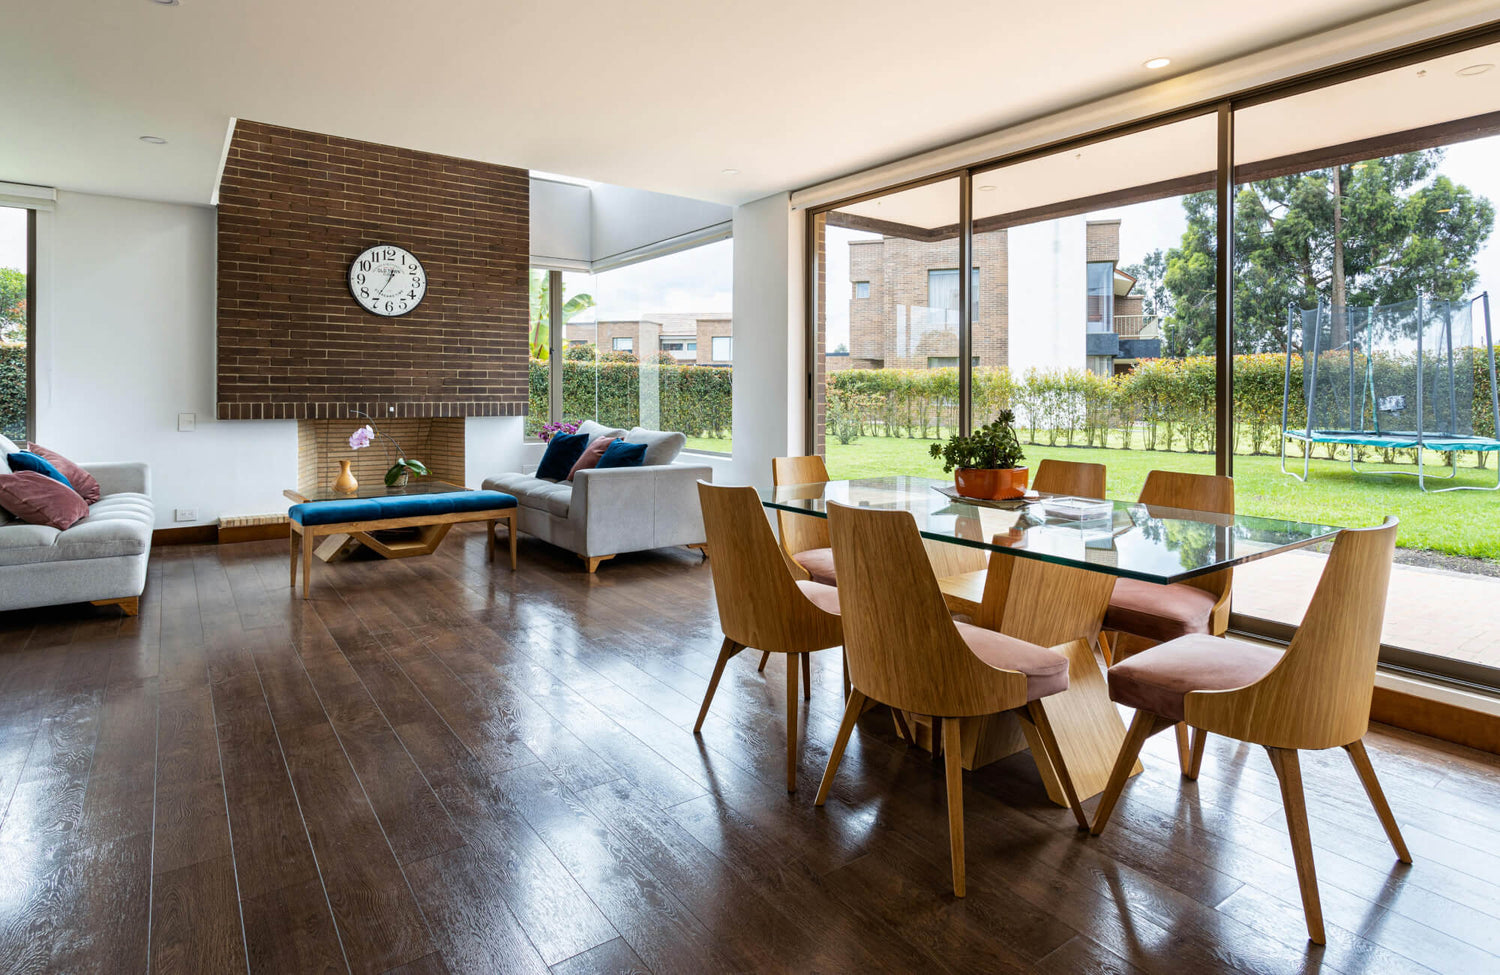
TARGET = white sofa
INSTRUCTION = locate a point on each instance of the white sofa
(603, 513)
(101, 559)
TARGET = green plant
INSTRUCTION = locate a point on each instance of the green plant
(992, 447)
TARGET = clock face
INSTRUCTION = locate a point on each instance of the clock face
(387, 280)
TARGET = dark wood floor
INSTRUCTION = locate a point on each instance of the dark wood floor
(433, 766)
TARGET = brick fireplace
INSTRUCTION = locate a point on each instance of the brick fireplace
(295, 208)
(437, 442)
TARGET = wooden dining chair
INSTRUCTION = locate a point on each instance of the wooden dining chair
(904, 650)
(760, 604)
(964, 590)
(1315, 695)
(1143, 614)
(1069, 477)
(804, 538)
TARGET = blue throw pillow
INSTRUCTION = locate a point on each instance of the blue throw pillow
(25, 460)
(562, 453)
(622, 454)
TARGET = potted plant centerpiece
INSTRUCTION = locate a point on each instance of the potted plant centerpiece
(987, 463)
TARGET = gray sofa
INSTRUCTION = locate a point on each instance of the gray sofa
(603, 513)
(100, 559)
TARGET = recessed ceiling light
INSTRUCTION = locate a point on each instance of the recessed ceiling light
(730, 172)
(165, 3)
(985, 189)
(1474, 69)
(1155, 63)
(154, 140)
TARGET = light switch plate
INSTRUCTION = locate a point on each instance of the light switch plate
(187, 422)
(185, 514)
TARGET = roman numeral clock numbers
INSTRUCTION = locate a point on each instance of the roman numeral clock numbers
(387, 281)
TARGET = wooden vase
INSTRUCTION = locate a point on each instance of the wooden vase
(346, 482)
(990, 485)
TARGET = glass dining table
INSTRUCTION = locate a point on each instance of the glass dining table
(1042, 569)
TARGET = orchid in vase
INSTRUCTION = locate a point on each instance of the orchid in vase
(404, 466)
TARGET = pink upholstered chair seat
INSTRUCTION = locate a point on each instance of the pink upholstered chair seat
(1159, 679)
(819, 564)
(1046, 672)
(1157, 612)
(824, 597)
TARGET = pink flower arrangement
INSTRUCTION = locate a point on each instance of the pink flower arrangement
(556, 427)
(362, 437)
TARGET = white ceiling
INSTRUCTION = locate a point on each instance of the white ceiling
(659, 96)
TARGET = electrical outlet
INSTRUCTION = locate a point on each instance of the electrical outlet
(187, 422)
(186, 514)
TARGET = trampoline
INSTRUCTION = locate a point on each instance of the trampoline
(1392, 377)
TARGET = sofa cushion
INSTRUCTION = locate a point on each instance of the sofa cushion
(599, 430)
(589, 459)
(400, 506)
(108, 531)
(25, 460)
(622, 454)
(81, 480)
(554, 497)
(562, 452)
(7, 446)
(41, 500)
(1159, 679)
(662, 446)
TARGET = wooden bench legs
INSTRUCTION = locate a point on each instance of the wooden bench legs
(129, 605)
(303, 540)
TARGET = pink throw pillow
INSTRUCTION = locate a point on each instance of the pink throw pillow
(589, 459)
(39, 500)
(83, 482)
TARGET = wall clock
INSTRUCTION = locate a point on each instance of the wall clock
(387, 280)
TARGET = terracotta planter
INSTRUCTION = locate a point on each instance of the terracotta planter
(990, 485)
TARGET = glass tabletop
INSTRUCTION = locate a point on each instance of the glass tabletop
(375, 490)
(1137, 541)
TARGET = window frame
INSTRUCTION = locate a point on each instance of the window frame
(29, 326)
(1223, 180)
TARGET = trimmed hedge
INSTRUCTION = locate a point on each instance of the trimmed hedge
(695, 400)
(13, 390)
(1163, 404)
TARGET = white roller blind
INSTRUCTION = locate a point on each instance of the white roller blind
(27, 196)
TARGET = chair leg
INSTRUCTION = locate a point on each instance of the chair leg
(1200, 739)
(791, 724)
(727, 650)
(1143, 726)
(1038, 716)
(806, 676)
(513, 538)
(852, 711)
(847, 686)
(765, 656)
(1184, 750)
(292, 532)
(307, 543)
(953, 764)
(1289, 773)
(1104, 649)
(1361, 760)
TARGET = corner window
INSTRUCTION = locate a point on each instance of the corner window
(1101, 296)
(942, 294)
(16, 309)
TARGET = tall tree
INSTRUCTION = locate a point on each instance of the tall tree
(1378, 231)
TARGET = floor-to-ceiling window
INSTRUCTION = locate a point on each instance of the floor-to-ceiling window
(16, 309)
(1365, 238)
(889, 318)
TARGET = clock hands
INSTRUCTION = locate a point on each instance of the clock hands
(391, 274)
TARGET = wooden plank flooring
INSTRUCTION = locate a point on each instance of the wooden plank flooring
(435, 767)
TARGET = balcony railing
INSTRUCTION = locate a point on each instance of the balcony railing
(1130, 326)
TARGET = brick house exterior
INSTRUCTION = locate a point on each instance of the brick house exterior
(903, 313)
(687, 336)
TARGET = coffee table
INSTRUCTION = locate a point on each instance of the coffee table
(396, 543)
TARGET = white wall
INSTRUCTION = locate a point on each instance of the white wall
(1048, 301)
(769, 344)
(125, 342)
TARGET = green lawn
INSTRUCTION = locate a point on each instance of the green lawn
(1460, 523)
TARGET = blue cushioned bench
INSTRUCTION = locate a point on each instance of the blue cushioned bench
(359, 518)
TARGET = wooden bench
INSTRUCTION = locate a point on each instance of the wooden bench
(359, 518)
